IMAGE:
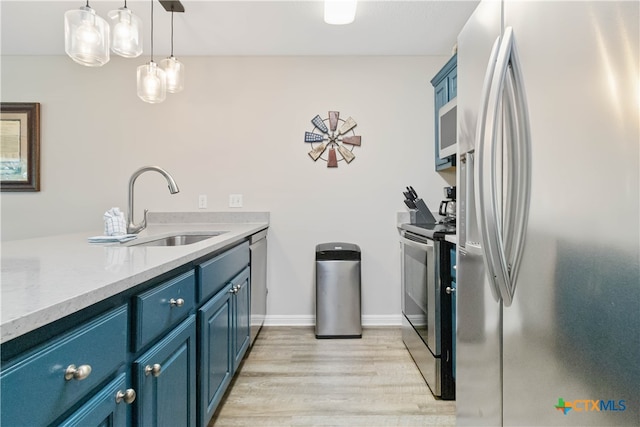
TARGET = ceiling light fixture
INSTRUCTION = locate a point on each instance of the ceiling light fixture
(340, 12)
(173, 68)
(151, 80)
(86, 37)
(126, 37)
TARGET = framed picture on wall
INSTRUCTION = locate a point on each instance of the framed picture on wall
(20, 146)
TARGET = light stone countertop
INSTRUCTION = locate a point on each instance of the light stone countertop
(45, 279)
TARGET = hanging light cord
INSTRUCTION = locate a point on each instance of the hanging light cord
(151, 30)
(172, 31)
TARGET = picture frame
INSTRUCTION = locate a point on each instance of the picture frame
(20, 146)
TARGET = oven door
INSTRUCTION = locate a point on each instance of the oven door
(420, 299)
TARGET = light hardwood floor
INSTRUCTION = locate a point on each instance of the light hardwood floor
(290, 378)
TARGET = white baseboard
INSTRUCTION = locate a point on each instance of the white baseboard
(310, 320)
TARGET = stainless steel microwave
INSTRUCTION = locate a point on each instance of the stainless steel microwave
(447, 129)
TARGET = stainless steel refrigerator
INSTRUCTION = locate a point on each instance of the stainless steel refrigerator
(548, 291)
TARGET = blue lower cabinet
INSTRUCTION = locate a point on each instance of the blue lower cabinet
(166, 380)
(242, 325)
(216, 363)
(108, 408)
(40, 386)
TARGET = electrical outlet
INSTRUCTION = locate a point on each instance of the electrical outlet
(202, 201)
(235, 200)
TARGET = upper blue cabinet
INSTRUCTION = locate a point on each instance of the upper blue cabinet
(445, 85)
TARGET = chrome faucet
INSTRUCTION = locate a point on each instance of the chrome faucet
(133, 228)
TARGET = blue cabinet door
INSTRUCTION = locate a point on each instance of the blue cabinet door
(103, 410)
(216, 362)
(452, 82)
(242, 312)
(166, 380)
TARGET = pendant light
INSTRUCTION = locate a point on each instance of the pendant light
(340, 12)
(126, 36)
(86, 37)
(152, 82)
(173, 68)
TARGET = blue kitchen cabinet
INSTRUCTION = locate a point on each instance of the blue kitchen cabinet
(215, 320)
(445, 84)
(41, 385)
(108, 408)
(453, 308)
(224, 324)
(241, 313)
(166, 380)
(148, 343)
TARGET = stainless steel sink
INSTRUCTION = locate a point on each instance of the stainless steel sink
(179, 239)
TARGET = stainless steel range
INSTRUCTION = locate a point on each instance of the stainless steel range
(428, 302)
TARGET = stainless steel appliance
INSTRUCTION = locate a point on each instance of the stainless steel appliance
(427, 321)
(258, 249)
(548, 281)
(448, 133)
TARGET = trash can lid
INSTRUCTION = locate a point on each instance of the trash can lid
(337, 251)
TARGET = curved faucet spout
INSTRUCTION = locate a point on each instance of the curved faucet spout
(132, 227)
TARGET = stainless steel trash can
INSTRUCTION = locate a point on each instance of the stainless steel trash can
(338, 313)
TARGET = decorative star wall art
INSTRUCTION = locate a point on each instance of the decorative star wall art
(342, 140)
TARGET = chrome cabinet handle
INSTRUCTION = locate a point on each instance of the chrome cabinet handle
(449, 290)
(176, 302)
(155, 370)
(79, 373)
(128, 396)
(235, 289)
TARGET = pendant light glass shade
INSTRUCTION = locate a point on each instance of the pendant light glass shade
(86, 37)
(174, 71)
(126, 38)
(152, 83)
(340, 12)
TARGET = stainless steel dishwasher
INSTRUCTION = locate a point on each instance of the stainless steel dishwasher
(259, 289)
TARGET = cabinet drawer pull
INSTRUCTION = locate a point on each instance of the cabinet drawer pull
(128, 396)
(176, 302)
(449, 290)
(79, 373)
(154, 370)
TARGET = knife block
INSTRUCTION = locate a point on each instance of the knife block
(422, 214)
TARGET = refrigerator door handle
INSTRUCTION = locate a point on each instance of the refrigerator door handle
(485, 174)
(519, 167)
(476, 164)
(504, 241)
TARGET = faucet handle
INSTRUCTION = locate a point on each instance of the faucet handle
(136, 228)
(143, 224)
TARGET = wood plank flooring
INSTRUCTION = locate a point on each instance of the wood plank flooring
(290, 378)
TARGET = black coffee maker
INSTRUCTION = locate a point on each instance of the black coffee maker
(448, 206)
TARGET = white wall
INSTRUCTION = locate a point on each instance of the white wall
(238, 127)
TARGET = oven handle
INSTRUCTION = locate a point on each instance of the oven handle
(417, 245)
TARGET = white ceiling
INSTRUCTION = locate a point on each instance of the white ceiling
(263, 27)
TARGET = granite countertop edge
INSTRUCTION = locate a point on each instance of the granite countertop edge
(45, 279)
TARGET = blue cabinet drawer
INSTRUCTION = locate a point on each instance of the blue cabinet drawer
(214, 274)
(34, 389)
(162, 307)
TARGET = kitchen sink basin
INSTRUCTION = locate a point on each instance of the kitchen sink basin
(179, 239)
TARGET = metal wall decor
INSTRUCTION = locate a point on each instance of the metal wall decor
(342, 139)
